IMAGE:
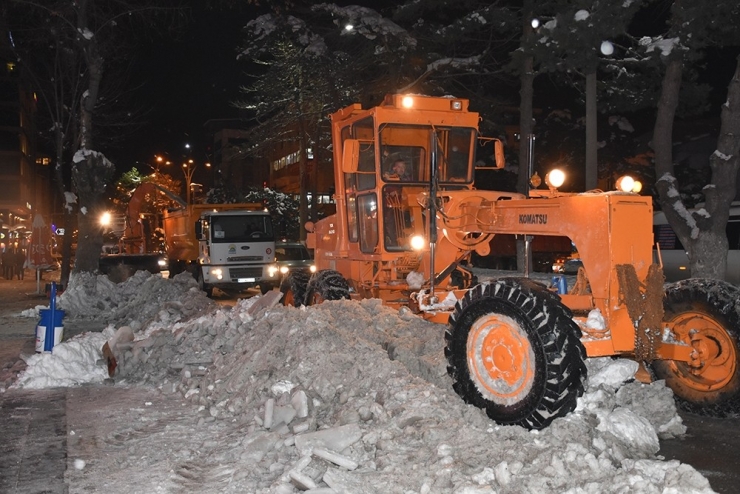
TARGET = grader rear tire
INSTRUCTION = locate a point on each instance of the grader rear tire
(704, 316)
(513, 350)
(326, 284)
(293, 288)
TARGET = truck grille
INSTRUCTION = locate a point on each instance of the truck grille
(236, 273)
(244, 258)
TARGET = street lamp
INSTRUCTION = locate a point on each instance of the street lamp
(159, 160)
(188, 169)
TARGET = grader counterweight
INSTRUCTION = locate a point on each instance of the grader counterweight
(514, 347)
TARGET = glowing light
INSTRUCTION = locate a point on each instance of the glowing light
(105, 219)
(626, 183)
(555, 178)
(607, 48)
(407, 102)
(535, 23)
(418, 242)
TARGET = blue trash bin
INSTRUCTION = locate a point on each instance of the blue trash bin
(50, 330)
(560, 283)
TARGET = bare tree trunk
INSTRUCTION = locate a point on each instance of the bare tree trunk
(708, 252)
(68, 213)
(724, 161)
(92, 173)
(592, 166)
(663, 130)
(702, 233)
(666, 185)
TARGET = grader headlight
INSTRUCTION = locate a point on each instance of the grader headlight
(555, 178)
(407, 102)
(628, 184)
(418, 242)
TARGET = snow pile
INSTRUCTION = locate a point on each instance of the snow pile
(34, 312)
(143, 297)
(354, 397)
(71, 363)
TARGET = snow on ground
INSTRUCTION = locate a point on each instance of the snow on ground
(343, 397)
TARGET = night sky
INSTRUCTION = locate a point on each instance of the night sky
(185, 81)
(192, 78)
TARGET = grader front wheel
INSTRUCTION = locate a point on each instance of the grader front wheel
(513, 350)
(703, 316)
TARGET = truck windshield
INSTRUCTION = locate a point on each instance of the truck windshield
(247, 228)
(410, 144)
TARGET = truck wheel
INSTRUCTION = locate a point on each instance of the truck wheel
(704, 316)
(326, 284)
(293, 288)
(513, 350)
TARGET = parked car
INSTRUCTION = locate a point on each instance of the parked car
(290, 256)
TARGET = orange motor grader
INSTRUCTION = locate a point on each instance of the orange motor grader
(515, 347)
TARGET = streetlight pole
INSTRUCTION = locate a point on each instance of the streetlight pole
(188, 169)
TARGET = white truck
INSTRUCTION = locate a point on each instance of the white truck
(225, 246)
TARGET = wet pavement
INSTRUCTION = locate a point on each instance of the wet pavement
(33, 455)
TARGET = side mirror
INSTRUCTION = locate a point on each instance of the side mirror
(498, 153)
(199, 230)
(350, 156)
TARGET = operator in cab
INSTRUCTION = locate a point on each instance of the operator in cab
(398, 171)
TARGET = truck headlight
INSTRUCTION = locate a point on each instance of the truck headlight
(218, 273)
(312, 268)
(284, 269)
(272, 270)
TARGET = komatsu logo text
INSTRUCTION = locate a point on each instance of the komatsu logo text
(533, 219)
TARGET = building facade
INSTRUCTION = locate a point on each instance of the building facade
(24, 183)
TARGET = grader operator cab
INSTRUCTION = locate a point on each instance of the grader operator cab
(408, 218)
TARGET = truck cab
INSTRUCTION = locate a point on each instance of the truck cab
(225, 246)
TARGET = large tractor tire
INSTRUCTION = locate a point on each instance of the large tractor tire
(704, 315)
(293, 288)
(326, 284)
(513, 350)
